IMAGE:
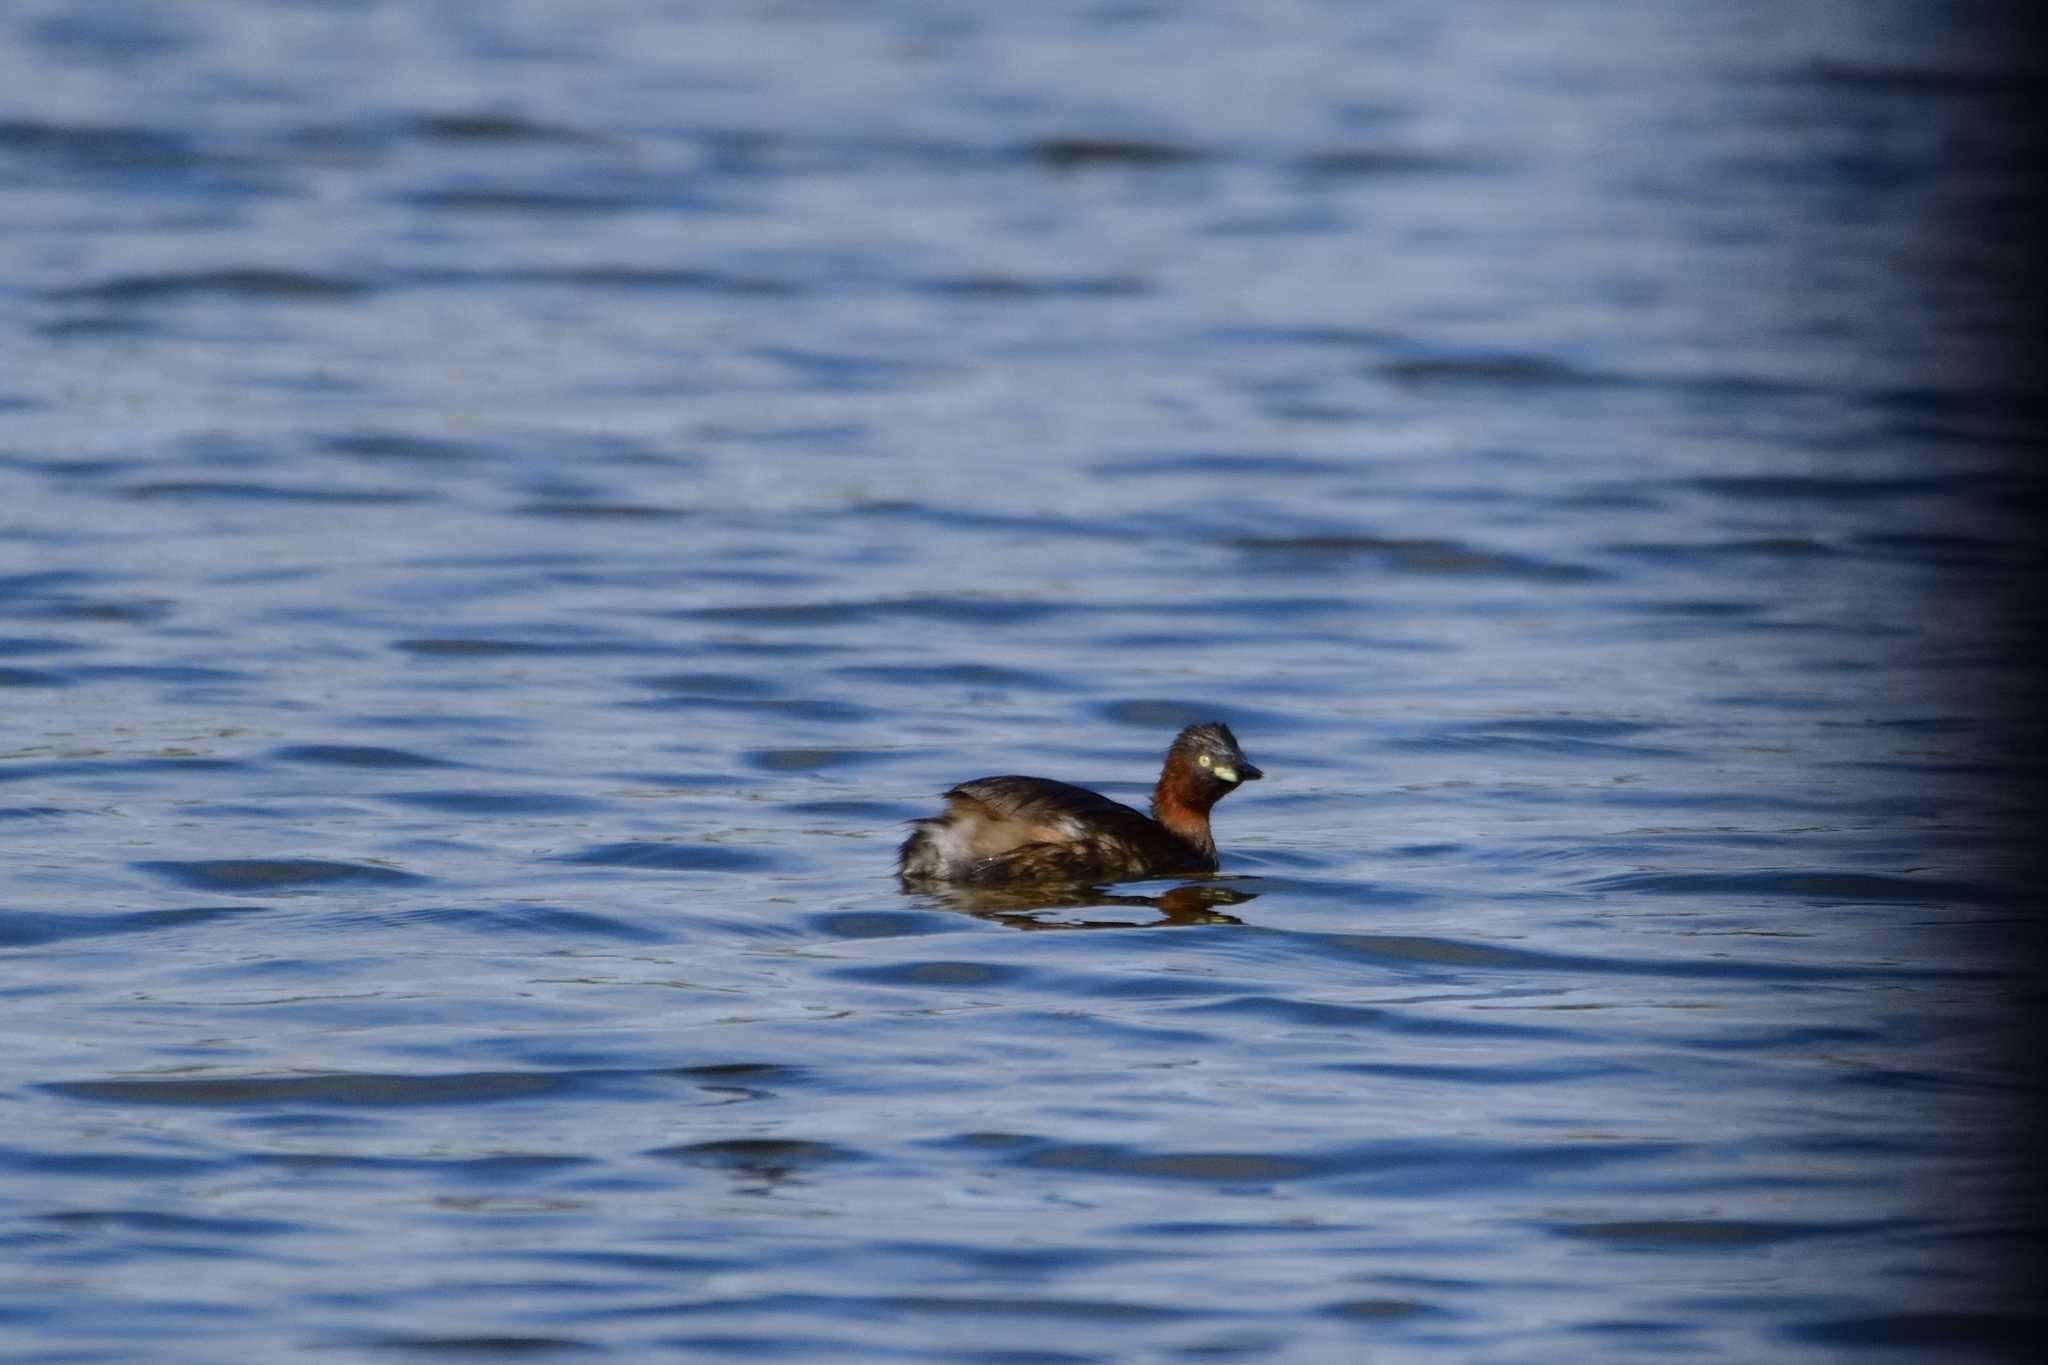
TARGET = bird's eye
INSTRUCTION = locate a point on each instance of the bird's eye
(1203, 760)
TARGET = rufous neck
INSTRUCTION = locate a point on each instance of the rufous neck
(1182, 801)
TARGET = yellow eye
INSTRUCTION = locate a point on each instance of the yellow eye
(1203, 760)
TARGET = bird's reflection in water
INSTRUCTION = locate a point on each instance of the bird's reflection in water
(1035, 907)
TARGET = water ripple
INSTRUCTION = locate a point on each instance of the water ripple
(1391, 1166)
(286, 286)
(1703, 1234)
(230, 490)
(351, 1090)
(757, 1154)
(1315, 1015)
(495, 802)
(257, 876)
(27, 928)
(672, 857)
(1818, 886)
(1294, 554)
(356, 756)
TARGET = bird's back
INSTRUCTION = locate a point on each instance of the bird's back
(1012, 829)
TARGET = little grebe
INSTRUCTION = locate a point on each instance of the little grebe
(1003, 831)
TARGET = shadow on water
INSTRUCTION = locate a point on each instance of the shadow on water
(1196, 902)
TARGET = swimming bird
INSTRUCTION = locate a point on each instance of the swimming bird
(1008, 831)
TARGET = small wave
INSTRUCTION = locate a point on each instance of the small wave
(284, 286)
(400, 446)
(488, 647)
(1820, 887)
(1362, 162)
(664, 857)
(821, 710)
(1013, 287)
(157, 1223)
(811, 760)
(1436, 1166)
(492, 128)
(1411, 556)
(867, 924)
(123, 147)
(496, 802)
(1495, 370)
(257, 875)
(947, 974)
(353, 1089)
(1228, 464)
(955, 675)
(1801, 488)
(169, 673)
(18, 646)
(1702, 1234)
(626, 279)
(511, 201)
(140, 611)
(574, 510)
(754, 1154)
(1080, 152)
(1563, 738)
(519, 917)
(356, 756)
(28, 928)
(1716, 552)
(225, 490)
(478, 1345)
(1468, 955)
(1315, 1015)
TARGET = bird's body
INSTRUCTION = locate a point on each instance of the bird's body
(1011, 830)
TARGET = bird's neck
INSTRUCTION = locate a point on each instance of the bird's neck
(1182, 801)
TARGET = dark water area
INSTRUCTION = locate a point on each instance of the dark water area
(508, 508)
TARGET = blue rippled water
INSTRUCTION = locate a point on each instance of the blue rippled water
(509, 507)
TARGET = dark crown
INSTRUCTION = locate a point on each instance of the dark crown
(1214, 736)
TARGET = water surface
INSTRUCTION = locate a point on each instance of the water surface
(510, 507)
